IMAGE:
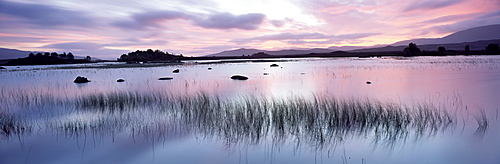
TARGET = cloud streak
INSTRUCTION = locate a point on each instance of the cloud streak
(300, 38)
(196, 28)
(229, 21)
(154, 19)
(43, 15)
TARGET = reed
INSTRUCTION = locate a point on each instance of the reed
(11, 126)
(319, 121)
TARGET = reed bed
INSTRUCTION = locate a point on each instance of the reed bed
(319, 121)
(10, 126)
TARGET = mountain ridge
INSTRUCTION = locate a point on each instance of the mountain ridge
(489, 32)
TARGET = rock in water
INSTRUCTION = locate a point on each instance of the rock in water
(165, 78)
(239, 77)
(81, 79)
(175, 71)
(120, 80)
(274, 65)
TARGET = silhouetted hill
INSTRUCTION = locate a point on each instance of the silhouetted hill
(6, 53)
(237, 52)
(246, 52)
(474, 46)
(491, 32)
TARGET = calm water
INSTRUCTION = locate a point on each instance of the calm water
(45, 118)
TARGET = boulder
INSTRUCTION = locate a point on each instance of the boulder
(165, 78)
(274, 65)
(368, 82)
(239, 77)
(175, 71)
(81, 79)
(120, 80)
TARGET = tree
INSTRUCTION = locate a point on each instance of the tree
(46, 54)
(467, 48)
(63, 55)
(31, 55)
(54, 54)
(412, 49)
(88, 58)
(39, 54)
(70, 56)
(441, 49)
(492, 47)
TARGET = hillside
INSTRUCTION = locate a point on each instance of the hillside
(6, 53)
(474, 46)
(490, 32)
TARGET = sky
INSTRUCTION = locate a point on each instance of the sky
(109, 28)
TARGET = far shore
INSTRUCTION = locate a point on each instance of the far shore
(267, 58)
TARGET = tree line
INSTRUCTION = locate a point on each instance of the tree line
(413, 50)
(148, 55)
(54, 55)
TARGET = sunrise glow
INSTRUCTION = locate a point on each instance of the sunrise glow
(107, 29)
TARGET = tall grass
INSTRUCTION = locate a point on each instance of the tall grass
(319, 121)
(10, 126)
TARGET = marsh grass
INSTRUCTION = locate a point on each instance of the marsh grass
(482, 122)
(10, 126)
(317, 121)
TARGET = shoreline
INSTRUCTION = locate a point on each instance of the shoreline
(234, 59)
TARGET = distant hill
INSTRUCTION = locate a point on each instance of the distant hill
(490, 32)
(246, 52)
(477, 38)
(237, 52)
(474, 46)
(6, 53)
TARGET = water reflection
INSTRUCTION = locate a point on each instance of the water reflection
(441, 103)
(319, 122)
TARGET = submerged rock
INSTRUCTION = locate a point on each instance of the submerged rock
(81, 79)
(165, 78)
(239, 77)
(265, 73)
(120, 80)
(175, 71)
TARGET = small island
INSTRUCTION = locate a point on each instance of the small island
(49, 58)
